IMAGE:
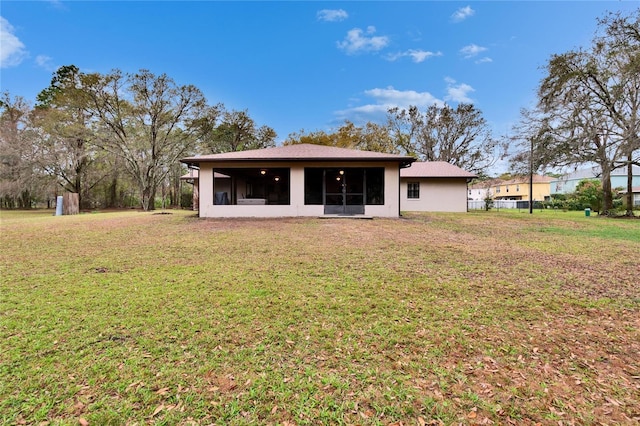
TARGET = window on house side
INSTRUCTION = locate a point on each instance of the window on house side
(413, 190)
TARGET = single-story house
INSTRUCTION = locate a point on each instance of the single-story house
(434, 186)
(298, 180)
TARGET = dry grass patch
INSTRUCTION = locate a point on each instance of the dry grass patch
(477, 318)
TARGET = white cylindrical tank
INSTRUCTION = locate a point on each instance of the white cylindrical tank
(59, 205)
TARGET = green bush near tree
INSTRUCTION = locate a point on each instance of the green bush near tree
(588, 194)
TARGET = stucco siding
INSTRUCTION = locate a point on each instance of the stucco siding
(436, 195)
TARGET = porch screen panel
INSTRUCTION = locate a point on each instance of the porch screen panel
(334, 187)
(355, 187)
(372, 178)
(270, 186)
(313, 178)
(374, 181)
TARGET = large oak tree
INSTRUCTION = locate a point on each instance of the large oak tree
(67, 142)
(148, 121)
(459, 135)
(591, 98)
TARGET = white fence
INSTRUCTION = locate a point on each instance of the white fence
(502, 204)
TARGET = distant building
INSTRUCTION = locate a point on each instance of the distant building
(568, 183)
(508, 193)
(636, 195)
(518, 188)
(481, 190)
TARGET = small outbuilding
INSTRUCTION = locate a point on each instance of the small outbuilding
(434, 186)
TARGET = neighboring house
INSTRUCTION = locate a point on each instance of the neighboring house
(568, 183)
(192, 179)
(434, 186)
(480, 191)
(518, 188)
(636, 195)
(299, 180)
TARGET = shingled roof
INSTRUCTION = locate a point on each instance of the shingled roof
(435, 169)
(300, 152)
(525, 179)
(195, 174)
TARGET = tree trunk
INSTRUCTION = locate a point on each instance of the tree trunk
(148, 198)
(174, 191)
(24, 201)
(607, 197)
(77, 183)
(152, 199)
(629, 186)
(112, 193)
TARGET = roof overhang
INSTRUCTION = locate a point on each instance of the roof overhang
(299, 153)
(195, 161)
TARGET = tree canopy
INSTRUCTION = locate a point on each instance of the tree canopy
(370, 137)
(227, 131)
(67, 142)
(459, 135)
(87, 127)
(21, 179)
(590, 99)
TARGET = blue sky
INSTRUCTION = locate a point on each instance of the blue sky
(307, 65)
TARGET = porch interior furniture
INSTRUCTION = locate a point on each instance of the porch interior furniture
(251, 201)
(221, 198)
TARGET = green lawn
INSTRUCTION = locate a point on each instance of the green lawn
(142, 318)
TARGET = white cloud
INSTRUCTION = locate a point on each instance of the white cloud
(357, 41)
(44, 61)
(13, 50)
(332, 15)
(401, 98)
(484, 60)
(420, 55)
(472, 50)
(417, 56)
(383, 100)
(462, 14)
(458, 92)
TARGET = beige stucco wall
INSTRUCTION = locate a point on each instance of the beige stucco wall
(436, 195)
(296, 192)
